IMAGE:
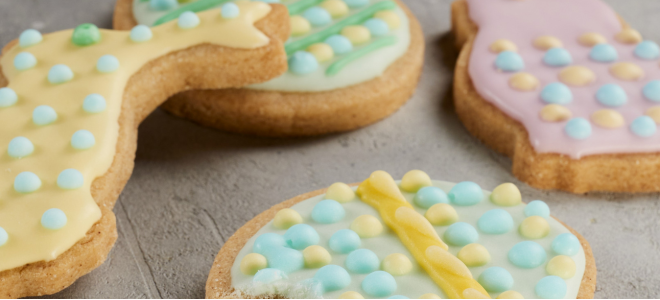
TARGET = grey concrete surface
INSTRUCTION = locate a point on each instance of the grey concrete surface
(193, 187)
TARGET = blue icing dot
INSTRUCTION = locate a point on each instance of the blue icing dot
(26, 182)
(557, 92)
(29, 37)
(466, 193)
(377, 27)
(398, 297)
(3, 236)
(20, 147)
(652, 91)
(379, 284)
(24, 61)
(301, 236)
(317, 16)
(362, 261)
(268, 275)
(496, 280)
(558, 57)
(59, 74)
(578, 128)
(460, 234)
(495, 221)
(551, 287)
(344, 241)
(509, 61)
(70, 179)
(356, 3)
(648, 50)
(537, 208)
(94, 103)
(604, 53)
(53, 219)
(82, 139)
(107, 64)
(333, 277)
(527, 255)
(230, 10)
(328, 212)
(566, 244)
(43, 115)
(611, 95)
(302, 62)
(339, 44)
(286, 259)
(162, 4)
(141, 33)
(188, 20)
(430, 195)
(268, 240)
(643, 126)
(7, 97)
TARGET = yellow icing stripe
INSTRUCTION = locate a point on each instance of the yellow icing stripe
(20, 214)
(418, 235)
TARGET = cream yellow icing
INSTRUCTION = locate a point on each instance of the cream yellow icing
(20, 214)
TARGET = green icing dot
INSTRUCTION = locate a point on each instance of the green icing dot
(86, 34)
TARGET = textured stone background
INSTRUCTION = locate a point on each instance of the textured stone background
(193, 187)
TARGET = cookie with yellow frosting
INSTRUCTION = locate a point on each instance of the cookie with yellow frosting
(414, 238)
(351, 63)
(70, 105)
(575, 106)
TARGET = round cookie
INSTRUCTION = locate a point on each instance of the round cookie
(415, 256)
(362, 92)
(68, 160)
(584, 126)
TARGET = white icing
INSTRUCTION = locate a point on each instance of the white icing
(417, 282)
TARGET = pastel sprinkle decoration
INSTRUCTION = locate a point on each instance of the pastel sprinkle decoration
(357, 34)
(107, 64)
(4, 237)
(321, 51)
(44, 115)
(333, 278)
(229, 10)
(367, 226)
(503, 45)
(643, 126)
(27, 182)
(460, 234)
(268, 240)
(558, 57)
(377, 27)
(509, 61)
(141, 34)
(537, 208)
(551, 287)
(578, 128)
(299, 25)
(379, 284)
(566, 244)
(20, 147)
(604, 53)
(429, 196)
(557, 93)
(495, 221)
(24, 61)
(652, 91)
(527, 255)
(344, 241)
(328, 212)
(303, 62)
(647, 50)
(286, 217)
(611, 95)
(561, 266)
(496, 280)
(397, 264)
(414, 180)
(591, 39)
(466, 193)
(339, 44)
(534, 227)
(94, 103)
(336, 8)
(53, 219)
(7, 97)
(474, 255)
(188, 20)
(252, 263)
(317, 16)
(86, 34)
(547, 42)
(29, 38)
(83, 139)
(441, 214)
(70, 179)
(506, 194)
(301, 236)
(362, 261)
(60, 74)
(340, 192)
(316, 256)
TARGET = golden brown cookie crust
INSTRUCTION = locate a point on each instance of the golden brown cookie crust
(283, 114)
(218, 286)
(192, 68)
(607, 172)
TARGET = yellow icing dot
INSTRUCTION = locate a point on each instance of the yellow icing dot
(357, 34)
(510, 295)
(546, 42)
(506, 194)
(299, 25)
(350, 295)
(555, 113)
(627, 71)
(322, 51)
(429, 296)
(577, 76)
(397, 264)
(286, 218)
(340, 192)
(608, 118)
(562, 266)
(654, 113)
(252, 263)
(474, 255)
(524, 82)
(415, 180)
(390, 17)
(629, 36)
(441, 214)
(367, 226)
(534, 227)
(336, 8)
(316, 256)
(591, 39)
(503, 45)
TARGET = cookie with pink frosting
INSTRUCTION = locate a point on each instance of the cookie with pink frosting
(565, 88)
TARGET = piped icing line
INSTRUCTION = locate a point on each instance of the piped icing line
(60, 125)
(300, 6)
(418, 235)
(338, 65)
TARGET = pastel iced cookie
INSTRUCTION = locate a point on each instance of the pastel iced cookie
(384, 242)
(350, 63)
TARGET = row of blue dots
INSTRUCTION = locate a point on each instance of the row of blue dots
(580, 128)
(28, 182)
(611, 95)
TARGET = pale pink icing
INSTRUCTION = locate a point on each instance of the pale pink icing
(521, 21)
